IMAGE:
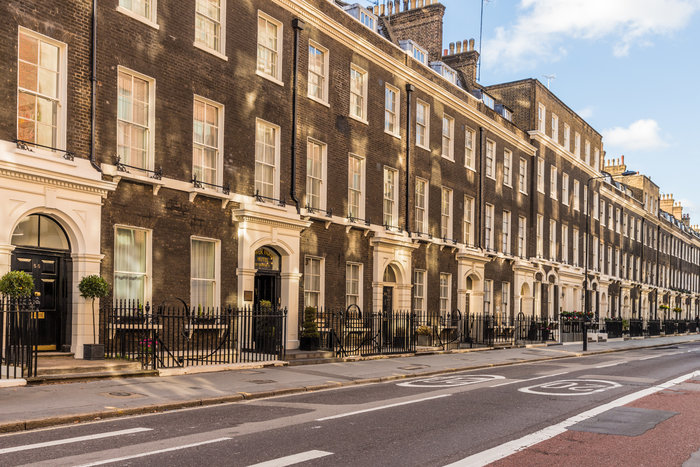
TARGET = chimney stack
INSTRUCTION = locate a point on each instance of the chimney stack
(464, 61)
(421, 23)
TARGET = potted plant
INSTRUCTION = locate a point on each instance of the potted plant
(16, 285)
(423, 334)
(309, 331)
(92, 287)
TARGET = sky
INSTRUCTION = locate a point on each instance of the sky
(630, 68)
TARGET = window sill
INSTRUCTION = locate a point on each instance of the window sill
(508, 185)
(206, 49)
(426, 147)
(117, 176)
(395, 135)
(270, 78)
(522, 192)
(319, 101)
(209, 193)
(358, 119)
(140, 18)
(47, 156)
(451, 159)
(471, 169)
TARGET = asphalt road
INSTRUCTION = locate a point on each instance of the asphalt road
(430, 421)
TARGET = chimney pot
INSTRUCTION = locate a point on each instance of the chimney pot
(471, 44)
(420, 3)
(413, 4)
(444, 53)
(459, 48)
(452, 48)
(381, 10)
(623, 158)
(465, 45)
(390, 8)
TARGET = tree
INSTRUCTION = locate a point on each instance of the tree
(93, 287)
(16, 285)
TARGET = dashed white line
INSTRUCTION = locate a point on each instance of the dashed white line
(151, 453)
(77, 439)
(507, 449)
(333, 417)
(606, 365)
(294, 459)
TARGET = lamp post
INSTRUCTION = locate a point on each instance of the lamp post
(586, 301)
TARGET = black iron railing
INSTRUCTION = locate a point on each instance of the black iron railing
(172, 337)
(156, 174)
(18, 337)
(262, 199)
(311, 210)
(27, 146)
(225, 188)
(357, 220)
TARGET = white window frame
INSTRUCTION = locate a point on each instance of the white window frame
(577, 144)
(508, 168)
(276, 176)
(565, 188)
(540, 236)
(468, 220)
(505, 233)
(394, 115)
(363, 108)
(552, 240)
(217, 269)
(421, 214)
(553, 181)
(361, 206)
(324, 76)
(424, 126)
(522, 176)
(310, 144)
(61, 99)
(150, 150)
(394, 214)
(321, 283)
(220, 138)
(276, 76)
(488, 227)
(469, 148)
(349, 265)
(577, 195)
(618, 225)
(567, 137)
(446, 217)
(555, 128)
(540, 175)
(221, 51)
(541, 116)
(505, 301)
(575, 248)
(151, 19)
(522, 236)
(488, 297)
(422, 286)
(448, 139)
(596, 204)
(445, 293)
(490, 169)
(587, 151)
(148, 275)
(564, 243)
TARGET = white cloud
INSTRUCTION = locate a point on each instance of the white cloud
(585, 113)
(543, 25)
(641, 135)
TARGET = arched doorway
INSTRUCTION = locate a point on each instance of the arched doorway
(42, 250)
(267, 286)
(389, 281)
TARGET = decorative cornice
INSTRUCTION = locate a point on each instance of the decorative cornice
(274, 219)
(98, 187)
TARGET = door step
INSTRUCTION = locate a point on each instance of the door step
(89, 376)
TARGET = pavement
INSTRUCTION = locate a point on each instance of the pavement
(31, 407)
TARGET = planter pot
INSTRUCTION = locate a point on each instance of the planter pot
(308, 343)
(93, 351)
(423, 340)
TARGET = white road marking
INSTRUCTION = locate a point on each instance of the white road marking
(529, 379)
(649, 358)
(77, 439)
(571, 387)
(381, 408)
(507, 449)
(294, 459)
(606, 365)
(151, 453)
(449, 381)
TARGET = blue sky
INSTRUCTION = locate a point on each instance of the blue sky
(631, 68)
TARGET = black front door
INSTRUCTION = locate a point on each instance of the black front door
(388, 299)
(267, 289)
(49, 273)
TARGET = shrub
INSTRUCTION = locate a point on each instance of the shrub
(16, 284)
(310, 328)
(93, 287)
(424, 331)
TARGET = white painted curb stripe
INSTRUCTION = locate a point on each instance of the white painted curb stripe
(507, 449)
(151, 453)
(294, 459)
(78, 439)
(381, 408)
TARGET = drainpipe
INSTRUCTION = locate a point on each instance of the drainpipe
(93, 79)
(409, 90)
(298, 26)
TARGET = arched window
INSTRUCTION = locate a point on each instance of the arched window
(40, 231)
(389, 274)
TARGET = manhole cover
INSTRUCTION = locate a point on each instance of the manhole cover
(261, 381)
(122, 394)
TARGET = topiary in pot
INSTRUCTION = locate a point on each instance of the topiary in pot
(309, 331)
(92, 287)
(16, 285)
